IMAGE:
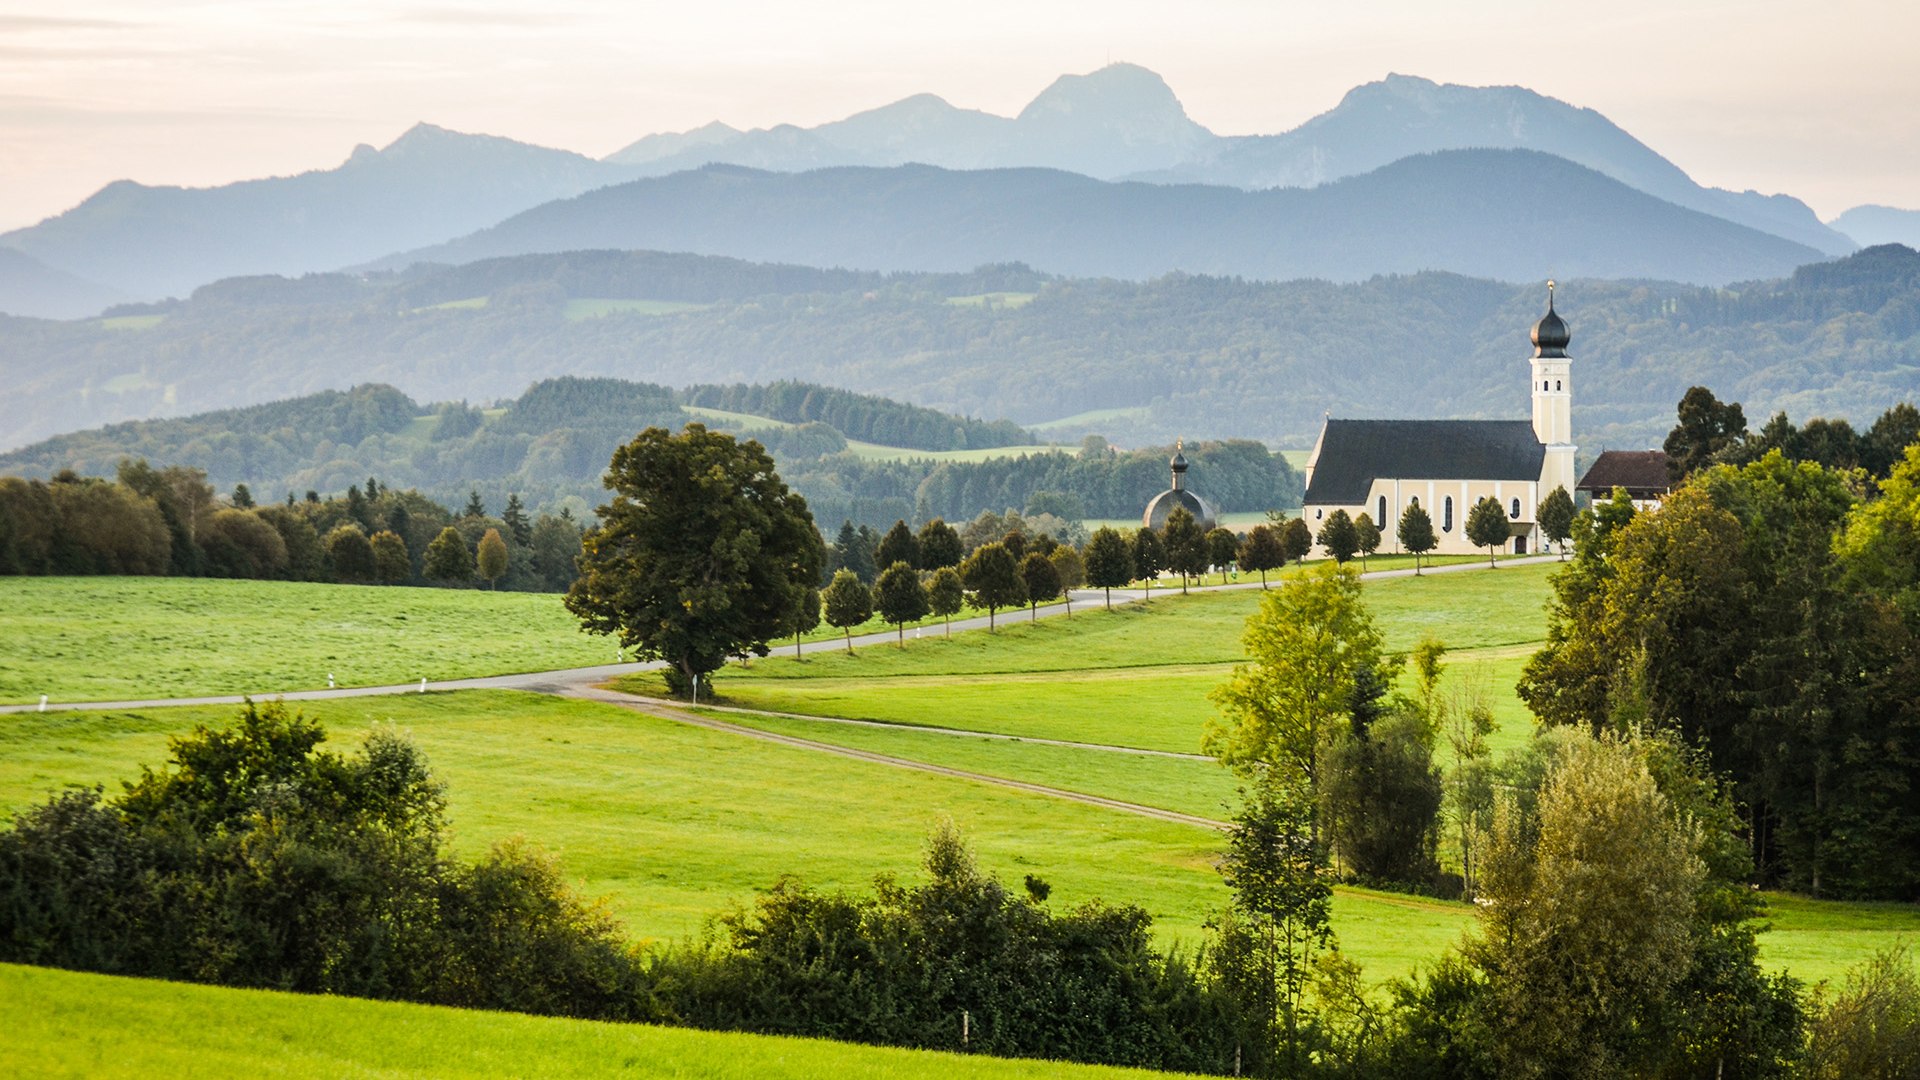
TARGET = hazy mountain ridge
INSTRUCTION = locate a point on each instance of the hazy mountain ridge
(428, 184)
(1869, 225)
(1507, 214)
(31, 287)
(1123, 121)
(1143, 361)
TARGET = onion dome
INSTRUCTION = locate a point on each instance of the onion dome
(1550, 335)
(1177, 497)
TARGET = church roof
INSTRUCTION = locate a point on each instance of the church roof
(1355, 453)
(1165, 503)
(1642, 472)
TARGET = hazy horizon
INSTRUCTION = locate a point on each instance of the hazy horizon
(1766, 96)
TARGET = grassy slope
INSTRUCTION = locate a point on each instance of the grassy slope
(116, 639)
(56, 1029)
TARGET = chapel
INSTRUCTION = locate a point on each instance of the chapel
(1177, 497)
(1380, 467)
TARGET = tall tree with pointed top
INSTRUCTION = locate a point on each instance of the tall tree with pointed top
(1416, 533)
(898, 545)
(1556, 518)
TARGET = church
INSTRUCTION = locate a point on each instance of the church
(1380, 467)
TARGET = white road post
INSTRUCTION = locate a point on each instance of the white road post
(43, 703)
(329, 680)
(423, 684)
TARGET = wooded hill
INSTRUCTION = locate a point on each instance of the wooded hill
(550, 446)
(1140, 362)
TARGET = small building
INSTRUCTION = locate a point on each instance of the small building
(1177, 497)
(1381, 467)
(1642, 473)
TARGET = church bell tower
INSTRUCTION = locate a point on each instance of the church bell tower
(1553, 398)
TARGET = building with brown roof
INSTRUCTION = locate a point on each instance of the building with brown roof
(1642, 473)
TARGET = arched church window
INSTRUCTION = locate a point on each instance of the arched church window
(1543, 384)
(1556, 384)
(1446, 515)
(1516, 510)
(1383, 510)
(1317, 514)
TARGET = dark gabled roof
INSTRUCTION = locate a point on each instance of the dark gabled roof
(1355, 453)
(1641, 472)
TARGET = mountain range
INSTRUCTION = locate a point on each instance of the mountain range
(1121, 123)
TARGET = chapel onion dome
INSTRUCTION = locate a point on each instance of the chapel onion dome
(1177, 496)
(1550, 335)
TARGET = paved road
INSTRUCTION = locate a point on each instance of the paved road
(564, 680)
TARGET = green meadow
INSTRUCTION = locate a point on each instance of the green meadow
(67, 1024)
(120, 639)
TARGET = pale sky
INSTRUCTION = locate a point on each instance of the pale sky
(1821, 101)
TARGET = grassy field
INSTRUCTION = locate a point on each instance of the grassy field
(1008, 300)
(600, 308)
(876, 452)
(59, 1026)
(116, 639)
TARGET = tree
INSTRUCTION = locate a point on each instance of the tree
(852, 551)
(1416, 533)
(448, 560)
(1072, 570)
(392, 564)
(241, 543)
(1556, 518)
(806, 616)
(1149, 555)
(475, 508)
(515, 517)
(1338, 536)
(1487, 526)
(491, 557)
(1109, 561)
(946, 594)
(350, 555)
(847, 603)
(993, 579)
(1296, 539)
(1261, 551)
(556, 550)
(1186, 546)
(900, 596)
(1381, 795)
(1587, 914)
(898, 545)
(242, 497)
(1368, 536)
(1306, 648)
(703, 553)
(939, 545)
(1223, 548)
(1042, 582)
(1281, 916)
(1706, 429)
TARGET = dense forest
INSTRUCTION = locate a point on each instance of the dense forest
(550, 446)
(1138, 362)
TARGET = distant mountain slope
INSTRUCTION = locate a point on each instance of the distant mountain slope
(1124, 122)
(427, 186)
(1120, 119)
(1139, 362)
(1509, 214)
(1869, 225)
(31, 287)
(1382, 122)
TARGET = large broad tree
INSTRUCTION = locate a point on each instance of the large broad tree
(1707, 428)
(702, 553)
(1416, 533)
(1109, 561)
(448, 558)
(1556, 518)
(992, 577)
(1487, 526)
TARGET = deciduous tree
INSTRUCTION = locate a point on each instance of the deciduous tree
(1109, 561)
(1223, 548)
(946, 595)
(490, 557)
(1487, 526)
(1186, 546)
(939, 545)
(1261, 551)
(1042, 582)
(847, 603)
(898, 545)
(1338, 536)
(1149, 555)
(1296, 539)
(702, 553)
(993, 579)
(1556, 518)
(448, 560)
(1367, 533)
(350, 555)
(900, 597)
(1416, 533)
(392, 565)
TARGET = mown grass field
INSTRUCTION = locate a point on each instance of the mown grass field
(674, 823)
(66, 1024)
(119, 639)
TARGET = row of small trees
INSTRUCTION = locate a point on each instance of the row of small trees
(994, 576)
